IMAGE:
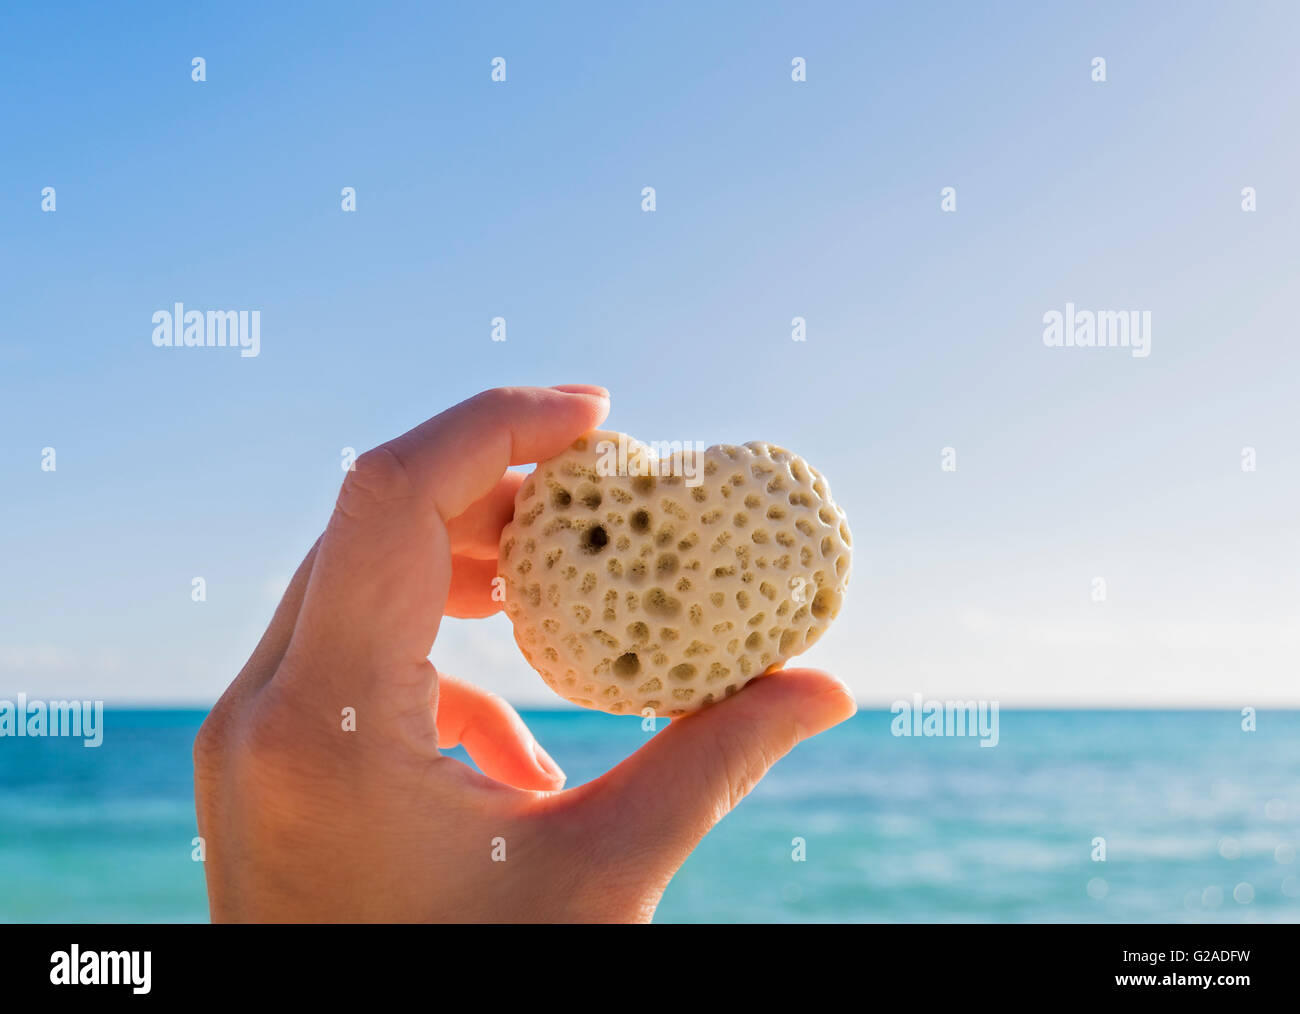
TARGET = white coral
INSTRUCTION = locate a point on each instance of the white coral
(667, 592)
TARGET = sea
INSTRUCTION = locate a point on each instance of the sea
(1074, 816)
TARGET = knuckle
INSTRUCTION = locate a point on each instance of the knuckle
(288, 741)
(502, 398)
(209, 742)
(377, 477)
(743, 764)
(497, 705)
(267, 746)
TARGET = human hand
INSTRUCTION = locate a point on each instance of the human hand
(304, 821)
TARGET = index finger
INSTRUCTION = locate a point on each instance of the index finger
(380, 580)
(458, 456)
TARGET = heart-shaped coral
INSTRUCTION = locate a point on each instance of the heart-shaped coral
(637, 582)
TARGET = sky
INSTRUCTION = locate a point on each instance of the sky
(774, 199)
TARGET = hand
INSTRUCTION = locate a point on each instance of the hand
(305, 821)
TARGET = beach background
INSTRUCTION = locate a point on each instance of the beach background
(1201, 821)
(1113, 555)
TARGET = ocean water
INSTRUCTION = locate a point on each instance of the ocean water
(1201, 822)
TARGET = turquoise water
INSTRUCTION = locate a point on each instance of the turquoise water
(1201, 821)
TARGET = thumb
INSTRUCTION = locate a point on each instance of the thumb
(659, 803)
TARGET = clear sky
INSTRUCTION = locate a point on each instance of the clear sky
(774, 199)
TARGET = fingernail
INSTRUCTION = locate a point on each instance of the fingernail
(547, 764)
(827, 709)
(600, 392)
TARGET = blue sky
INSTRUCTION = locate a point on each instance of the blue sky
(775, 199)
